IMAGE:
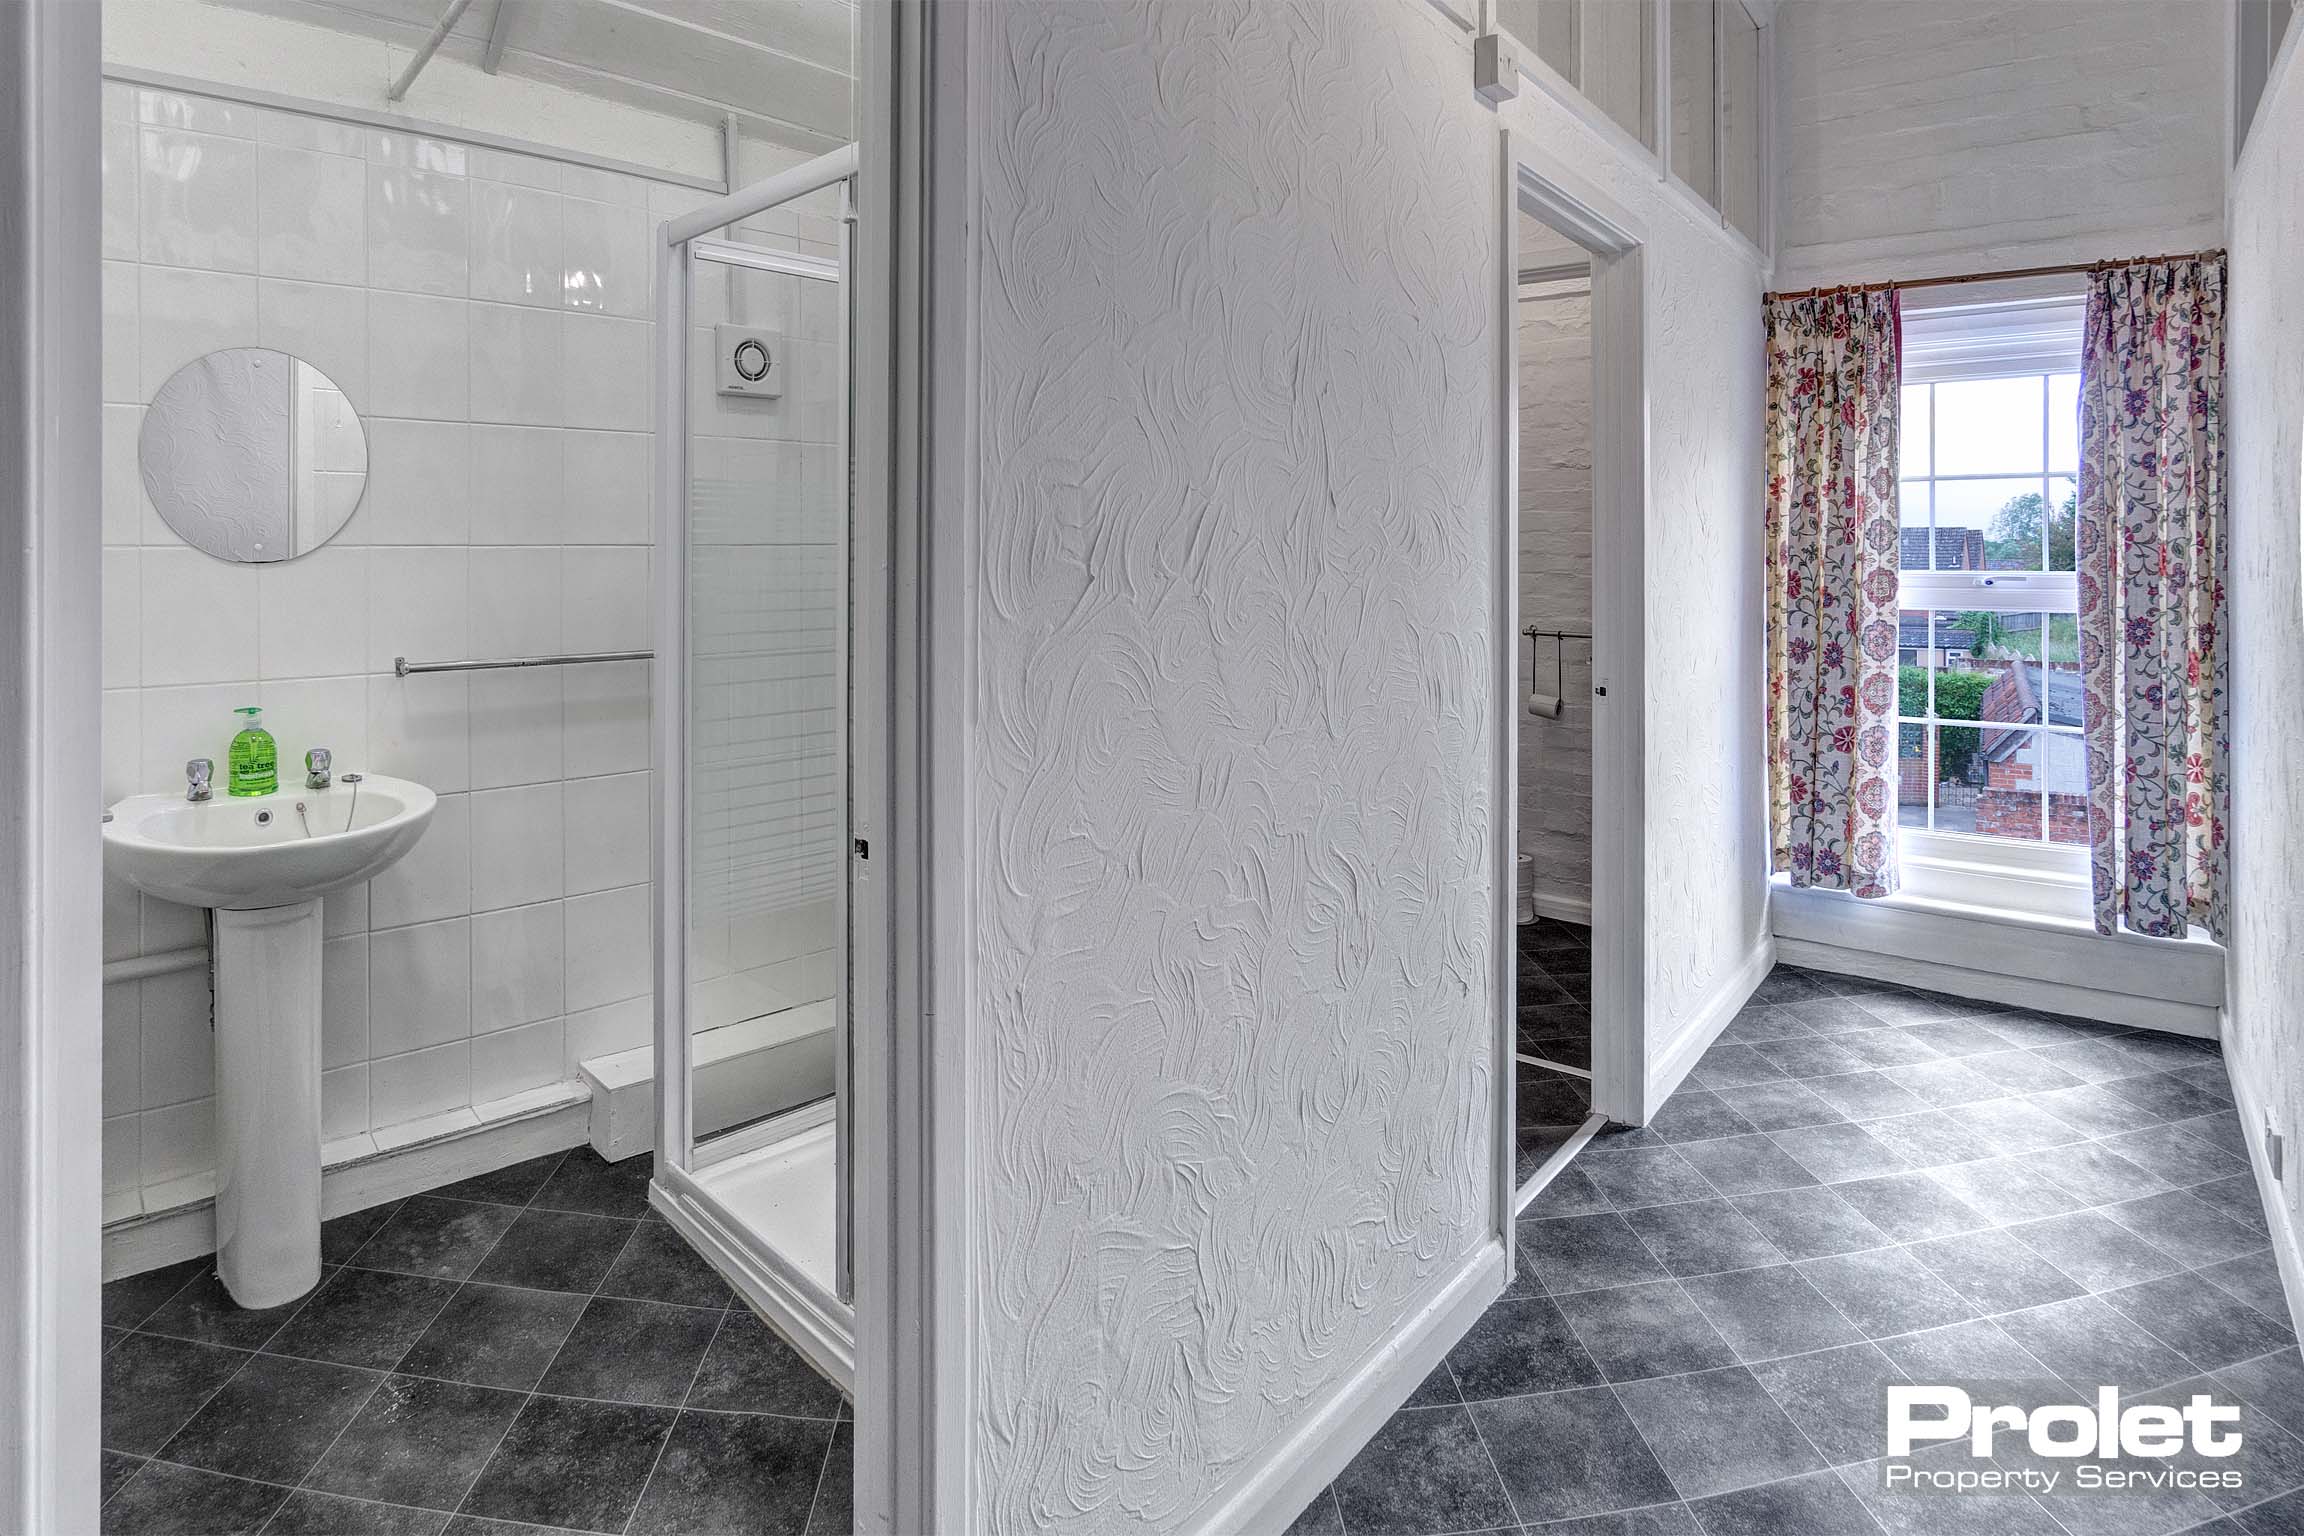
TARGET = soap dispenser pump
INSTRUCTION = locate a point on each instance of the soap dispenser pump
(255, 760)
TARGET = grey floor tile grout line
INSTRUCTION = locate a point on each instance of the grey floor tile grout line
(1495, 1468)
(681, 1407)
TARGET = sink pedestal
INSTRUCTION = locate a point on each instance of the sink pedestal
(268, 1102)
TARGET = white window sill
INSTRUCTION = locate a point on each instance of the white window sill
(2059, 912)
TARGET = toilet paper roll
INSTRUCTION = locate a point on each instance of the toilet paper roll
(1544, 706)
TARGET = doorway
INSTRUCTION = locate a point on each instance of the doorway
(1574, 495)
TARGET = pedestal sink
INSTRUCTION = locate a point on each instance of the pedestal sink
(263, 862)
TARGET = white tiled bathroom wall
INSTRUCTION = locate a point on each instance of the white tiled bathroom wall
(486, 313)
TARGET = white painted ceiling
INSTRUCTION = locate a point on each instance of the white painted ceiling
(783, 66)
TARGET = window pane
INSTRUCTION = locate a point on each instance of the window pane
(1989, 427)
(2066, 781)
(1617, 65)
(1988, 525)
(1912, 520)
(1911, 776)
(2063, 523)
(1742, 197)
(2003, 777)
(1912, 425)
(1694, 109)
(1911, 648)
(2064, 422)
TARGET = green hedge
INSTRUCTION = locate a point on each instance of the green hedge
(1959, 696)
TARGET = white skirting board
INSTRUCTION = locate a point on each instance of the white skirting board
(2287, 1242)
(1668, 1069)
(1269, 1494)
(528, 1125)
(1565, 906)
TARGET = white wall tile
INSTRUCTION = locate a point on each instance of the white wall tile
(516, 856)
(123, 361)
(123, 728)
(311, 212)
(419, 728)
(605, 495)
(344, 1102)
(419, 483)
(418, 606)
(404, 1088)
(120, 173)
(344, 1000)
(123, 479)
(419, 231)
(178, 1049)
(178, 1141)
(296, 130)
(196, 200)
(312, 614)
(610, 258)
(623, 1026)
(123, 1154)
(608, 372)
(198, 114)
(184, 723)
(516, 365)
(423, 369)
(331, 712)
(606, 593)
(510, 1061)
(419, 986)
(518, 485)
(200, 618)
(123, 1047)
(608, 947)
(516, 601)
(520, 170)
(322, 324)
(415, 152)
(607, 717)
(517, 966)
(516, 726)
(122, 919)
(607, 832)
(432, 880)
(182, 315)
(603, 186)
(515, 244)
(122, 596)
(167, 925)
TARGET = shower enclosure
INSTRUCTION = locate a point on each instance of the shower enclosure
(758, 835)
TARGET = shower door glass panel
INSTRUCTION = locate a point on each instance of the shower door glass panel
(768, 700)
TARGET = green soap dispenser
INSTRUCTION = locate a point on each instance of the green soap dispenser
(255, 761)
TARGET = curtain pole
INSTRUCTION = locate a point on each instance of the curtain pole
(1993, 277)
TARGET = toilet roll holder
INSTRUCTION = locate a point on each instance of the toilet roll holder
(1559, 639)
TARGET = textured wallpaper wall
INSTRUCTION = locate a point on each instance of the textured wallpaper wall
(2264, 389)
(1233, 379)
(1232, 883)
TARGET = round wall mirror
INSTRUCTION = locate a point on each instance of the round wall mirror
(253, 455)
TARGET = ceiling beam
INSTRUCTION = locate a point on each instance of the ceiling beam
(499, 33)
(425, 50)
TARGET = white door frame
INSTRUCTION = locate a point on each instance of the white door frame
(1541, 185)
(51, 860)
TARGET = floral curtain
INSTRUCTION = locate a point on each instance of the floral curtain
(2151, 578)
(1833, 386)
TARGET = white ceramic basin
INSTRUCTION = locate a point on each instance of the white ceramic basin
(261, 850)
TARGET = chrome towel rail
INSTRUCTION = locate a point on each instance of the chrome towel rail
(403, 667)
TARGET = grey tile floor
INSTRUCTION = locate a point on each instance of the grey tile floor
(1555, 1023)
(1858, 1184)
(529, 1350)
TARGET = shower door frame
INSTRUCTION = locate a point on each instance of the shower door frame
(819, 1321)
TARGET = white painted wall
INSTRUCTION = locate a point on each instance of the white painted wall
(487, 314)
(1555, 324)
(1970, 135)
(1225, 975)
(2264, 391)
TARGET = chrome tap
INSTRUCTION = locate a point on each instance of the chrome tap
(316, 764)
(197, 774)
